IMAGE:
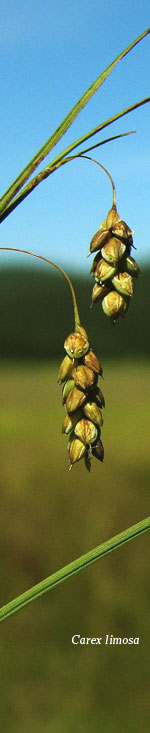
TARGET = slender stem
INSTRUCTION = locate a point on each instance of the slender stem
(74, 567)
(106, 171)
(40, 257)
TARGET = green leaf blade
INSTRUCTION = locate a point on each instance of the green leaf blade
(74, 567)
(63, 127)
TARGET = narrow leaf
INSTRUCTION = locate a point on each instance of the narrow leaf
(65, 124)
(51, 168)
(74, 567)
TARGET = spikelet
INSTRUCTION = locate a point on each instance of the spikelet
(113, 268)
(82, 398)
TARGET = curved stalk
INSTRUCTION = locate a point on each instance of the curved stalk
(108, 174)
(50, 262)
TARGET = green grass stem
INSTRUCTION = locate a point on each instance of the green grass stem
(74, 567)
(51, 168)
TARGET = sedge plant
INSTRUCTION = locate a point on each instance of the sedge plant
(113, 269)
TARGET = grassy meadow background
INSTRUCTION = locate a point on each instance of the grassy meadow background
(50, 516)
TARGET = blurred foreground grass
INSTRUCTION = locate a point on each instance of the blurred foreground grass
(49, 517)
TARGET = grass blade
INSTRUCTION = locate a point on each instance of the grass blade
(7, 209)
(51, 168)
(74, 567)
(65, 124)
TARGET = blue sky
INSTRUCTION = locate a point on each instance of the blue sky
(50, 53)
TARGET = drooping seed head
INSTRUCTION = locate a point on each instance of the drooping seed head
(86, 431)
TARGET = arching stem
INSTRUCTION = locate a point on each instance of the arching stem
(40, 257)
(108, 174)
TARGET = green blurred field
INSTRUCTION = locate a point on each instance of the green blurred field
(49, 516)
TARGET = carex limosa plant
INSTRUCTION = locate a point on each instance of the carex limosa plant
(113, 269)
